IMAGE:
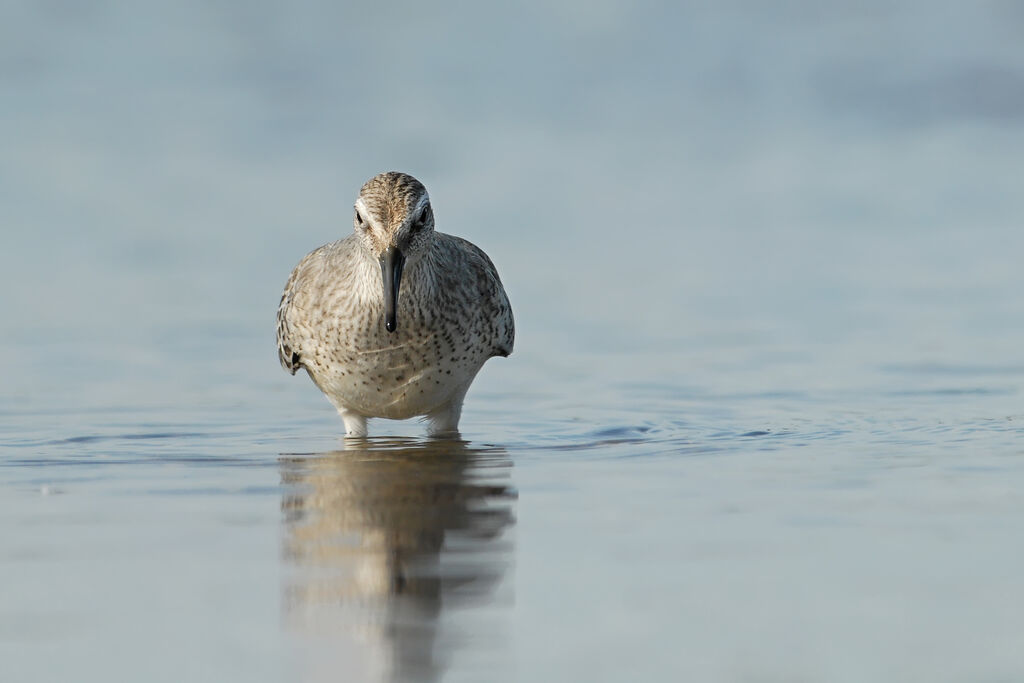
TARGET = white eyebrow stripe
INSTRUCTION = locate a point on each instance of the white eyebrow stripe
(424, 200)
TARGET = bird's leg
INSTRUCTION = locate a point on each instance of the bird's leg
(355, 424)
(445, 420)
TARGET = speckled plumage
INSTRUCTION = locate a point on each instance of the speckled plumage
(452, 313)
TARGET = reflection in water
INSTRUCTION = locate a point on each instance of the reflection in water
(384, 538)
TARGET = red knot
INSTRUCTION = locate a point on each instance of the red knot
(396, 319)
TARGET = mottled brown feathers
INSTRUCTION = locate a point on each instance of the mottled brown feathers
(452, 314)
(392, 195)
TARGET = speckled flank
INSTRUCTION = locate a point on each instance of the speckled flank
(452, 314)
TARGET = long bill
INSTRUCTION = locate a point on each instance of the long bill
(391, 263)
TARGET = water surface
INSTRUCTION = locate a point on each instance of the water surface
(764, 420)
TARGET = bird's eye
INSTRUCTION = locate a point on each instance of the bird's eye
(421, 220)
(359, 218)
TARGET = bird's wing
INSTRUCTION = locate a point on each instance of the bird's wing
(493, 300)
(289, 339)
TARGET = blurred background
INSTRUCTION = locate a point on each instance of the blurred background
(641, 173)
(788, 233)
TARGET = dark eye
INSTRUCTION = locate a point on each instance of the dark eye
(359, 218)
(421, 221)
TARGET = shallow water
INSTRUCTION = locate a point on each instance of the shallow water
(764, 420)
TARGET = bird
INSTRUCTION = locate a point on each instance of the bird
(396, 319)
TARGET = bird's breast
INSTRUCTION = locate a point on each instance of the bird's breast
(400, 374)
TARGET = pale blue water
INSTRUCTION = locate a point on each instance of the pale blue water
(764, 421)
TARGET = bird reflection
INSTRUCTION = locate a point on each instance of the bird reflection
(381, 538)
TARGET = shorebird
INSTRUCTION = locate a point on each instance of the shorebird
(396, 319)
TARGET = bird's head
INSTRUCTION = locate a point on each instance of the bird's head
(395, 223)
